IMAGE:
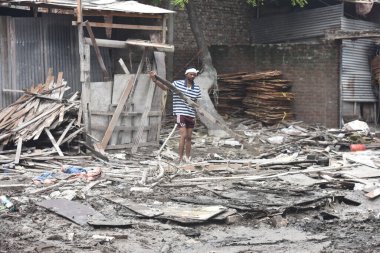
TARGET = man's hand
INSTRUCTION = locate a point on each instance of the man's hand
(155, 81)
(153, 76)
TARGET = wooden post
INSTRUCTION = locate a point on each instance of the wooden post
(97, 52)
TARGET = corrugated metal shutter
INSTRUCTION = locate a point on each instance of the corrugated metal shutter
(296, 26)
(355, 70)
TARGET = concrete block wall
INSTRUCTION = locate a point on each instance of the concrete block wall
(312, 68)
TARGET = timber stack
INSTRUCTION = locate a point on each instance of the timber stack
(268, 98)
(265, 96)
(231, 92)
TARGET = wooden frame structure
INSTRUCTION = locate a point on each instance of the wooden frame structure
(117, 110)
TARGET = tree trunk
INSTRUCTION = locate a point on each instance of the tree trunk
(208, 78)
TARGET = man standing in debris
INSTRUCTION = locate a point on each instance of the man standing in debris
(184, 113)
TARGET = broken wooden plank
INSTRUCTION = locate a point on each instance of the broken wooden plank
(374, 193)
(137, 208)
(124, 67)
(18, 151)
(51, 137)
(200, 109)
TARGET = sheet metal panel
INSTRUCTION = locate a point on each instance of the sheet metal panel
(295, 26)
(61, 51)
(34, 45)
(27, 50)
(99, 5)
(3, 58)
(356, 77)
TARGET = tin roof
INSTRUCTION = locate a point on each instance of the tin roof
(97, 5)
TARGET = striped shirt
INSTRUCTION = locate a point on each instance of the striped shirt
(180, 107)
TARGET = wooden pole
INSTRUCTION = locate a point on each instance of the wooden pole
(106, 76)
(200, 109)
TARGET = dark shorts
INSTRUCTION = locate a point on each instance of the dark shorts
(185, 121)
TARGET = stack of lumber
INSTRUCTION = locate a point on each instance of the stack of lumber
(231, 93)
(267, 97)
(39, 110)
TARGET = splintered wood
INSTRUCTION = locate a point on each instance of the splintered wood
(40, 110)
(263, 95)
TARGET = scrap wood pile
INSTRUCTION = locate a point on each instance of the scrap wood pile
(231, 91)
(263, 95)
(268, 98)
(41, 111)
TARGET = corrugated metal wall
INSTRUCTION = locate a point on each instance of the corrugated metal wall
(296, 26)
(4, 71)
(355, 66)
(37, 44)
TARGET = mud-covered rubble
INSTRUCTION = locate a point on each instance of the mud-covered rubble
(290, 188)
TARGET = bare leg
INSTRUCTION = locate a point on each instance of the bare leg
(189, 133)
(182, 141)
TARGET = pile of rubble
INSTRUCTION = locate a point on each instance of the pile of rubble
(288, 169)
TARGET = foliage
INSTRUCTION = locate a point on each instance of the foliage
(300, 3)
(181, 3)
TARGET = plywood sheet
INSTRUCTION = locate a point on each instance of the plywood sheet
(74, 211)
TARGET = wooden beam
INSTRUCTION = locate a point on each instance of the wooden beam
(127, 114)
(97, 51)
(200, 110)
(123, 66)
(51, 137)
(79, 12)
(164, 30)
(124, 26)
(156, 46)
(85, 97)
(108, 19)
(18, 151)
(65, 132)
(123, 44)
(340, 34)
(108, 43)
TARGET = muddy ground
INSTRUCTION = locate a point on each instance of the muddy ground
(270, 214)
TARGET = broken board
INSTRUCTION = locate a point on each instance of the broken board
(74, 211)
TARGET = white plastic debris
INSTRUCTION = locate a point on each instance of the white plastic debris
(276, 139)
(357, 125)
(292, 131)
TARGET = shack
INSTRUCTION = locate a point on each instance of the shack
(103, 49)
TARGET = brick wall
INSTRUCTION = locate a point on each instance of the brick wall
(313, 69)
(225, 22)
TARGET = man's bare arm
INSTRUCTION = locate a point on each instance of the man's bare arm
(158, 83)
